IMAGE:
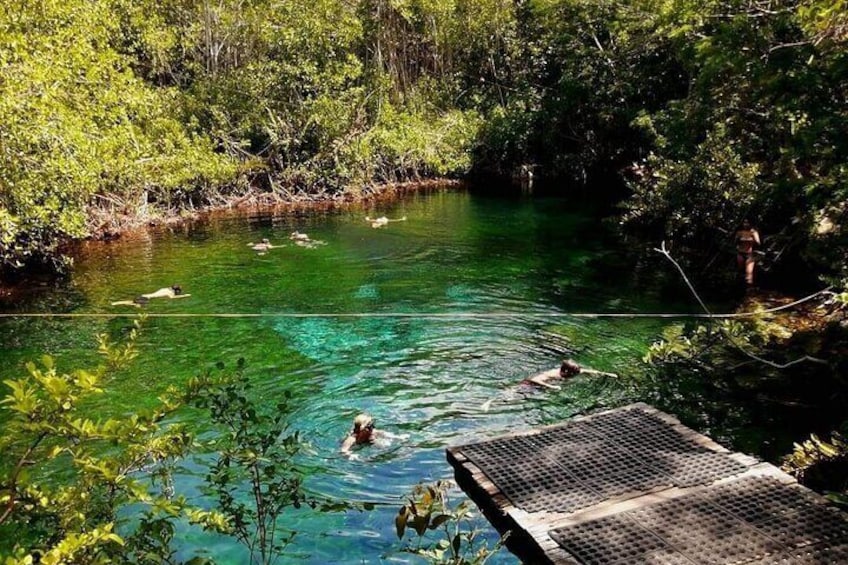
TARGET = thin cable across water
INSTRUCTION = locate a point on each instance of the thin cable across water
(417, 315)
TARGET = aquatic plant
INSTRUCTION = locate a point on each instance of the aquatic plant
(428, 509)
(253, 477)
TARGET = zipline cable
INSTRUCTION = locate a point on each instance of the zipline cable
(662, 249)
(433, 315)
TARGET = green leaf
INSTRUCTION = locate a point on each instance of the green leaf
(439, 520)
(400, 522)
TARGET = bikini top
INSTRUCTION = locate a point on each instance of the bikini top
(746, 236)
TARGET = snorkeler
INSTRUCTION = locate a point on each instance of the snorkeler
(382, 221)
(364, 433)
(173, 291)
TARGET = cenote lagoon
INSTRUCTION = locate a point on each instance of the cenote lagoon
(419, 323)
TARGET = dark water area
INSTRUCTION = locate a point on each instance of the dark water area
(418, 323)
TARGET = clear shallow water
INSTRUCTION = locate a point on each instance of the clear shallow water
(505, 269)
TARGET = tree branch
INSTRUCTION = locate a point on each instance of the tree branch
(729, 337)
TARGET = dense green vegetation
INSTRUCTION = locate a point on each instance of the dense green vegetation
(699, 114)
(106, 465)
(115, 110)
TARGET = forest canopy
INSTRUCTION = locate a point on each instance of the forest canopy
(701, 112)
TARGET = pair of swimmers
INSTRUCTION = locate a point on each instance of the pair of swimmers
(301, 239)
(364, 432)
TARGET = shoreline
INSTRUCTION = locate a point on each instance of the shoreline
(116, 226)
(109, 227)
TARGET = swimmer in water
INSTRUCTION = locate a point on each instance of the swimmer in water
(173, 291)
(362, 433)
(303, 240)
(262, 246)
(567, 370)
(382, 221)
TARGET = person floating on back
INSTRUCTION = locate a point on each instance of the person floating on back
(173, 291)
(382, 221)
(567, 370)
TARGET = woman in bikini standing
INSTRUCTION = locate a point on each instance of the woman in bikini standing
(747, 238)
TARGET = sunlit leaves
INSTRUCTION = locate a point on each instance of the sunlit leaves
(254, 477)
(47, 427)
(79, 125)
(820, 461)
(441, 528)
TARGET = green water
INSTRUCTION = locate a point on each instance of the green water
(494, 275)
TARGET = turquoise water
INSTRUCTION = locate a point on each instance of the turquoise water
(418, 323)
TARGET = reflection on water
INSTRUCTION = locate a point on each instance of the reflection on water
(426, 380)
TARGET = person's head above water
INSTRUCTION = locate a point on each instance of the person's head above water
(569, 368)
(177, 289)
(363, 428)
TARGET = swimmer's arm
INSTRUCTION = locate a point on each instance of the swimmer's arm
(383, 434)
(541, 382)
(347, 444)
(180, 296)
(596, 372)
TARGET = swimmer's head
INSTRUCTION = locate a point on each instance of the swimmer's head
(363, 428)
(177, 289)
(569, 368)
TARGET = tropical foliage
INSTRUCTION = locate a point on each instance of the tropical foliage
(429, 513)
(822, 464)
(74, 489)
(64, 475)
(253, 477)
(712, 111)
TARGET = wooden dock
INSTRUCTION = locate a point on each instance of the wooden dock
(633, 485)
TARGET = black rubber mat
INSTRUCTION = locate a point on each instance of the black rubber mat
(748, 521)
(568, 467)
